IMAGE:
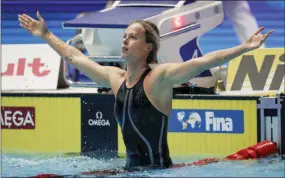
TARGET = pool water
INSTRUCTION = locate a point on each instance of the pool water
(26, 165)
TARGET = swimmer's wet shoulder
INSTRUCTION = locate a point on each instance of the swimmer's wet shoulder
(158, 92)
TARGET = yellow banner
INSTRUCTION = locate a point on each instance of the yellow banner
(56, 125)
(261, 70)
(197, 143)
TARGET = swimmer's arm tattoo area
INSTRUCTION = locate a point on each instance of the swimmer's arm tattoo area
(68, 58)
(81, 62)
(67, 52)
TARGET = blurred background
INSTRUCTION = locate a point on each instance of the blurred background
(269, 14)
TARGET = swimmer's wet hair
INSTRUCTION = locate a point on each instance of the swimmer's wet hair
(151, 36)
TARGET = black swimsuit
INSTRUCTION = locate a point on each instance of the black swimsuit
(144, 128)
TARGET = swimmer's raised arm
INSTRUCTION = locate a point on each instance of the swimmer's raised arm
(100, 74)
(177, 73)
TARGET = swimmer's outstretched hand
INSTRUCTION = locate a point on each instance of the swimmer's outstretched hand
(256, 40)
(37, 28)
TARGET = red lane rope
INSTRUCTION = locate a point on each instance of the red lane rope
(47, 176)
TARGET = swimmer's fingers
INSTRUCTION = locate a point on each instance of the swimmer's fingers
(24, 19)
(35, 27)
(259, 30)
(25, 27)
(23, 23)
(28, 17)
(265, 36)
(39, 16)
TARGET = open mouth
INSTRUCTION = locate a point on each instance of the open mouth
(124, 49)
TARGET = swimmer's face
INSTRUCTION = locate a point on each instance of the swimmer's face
(134, 45)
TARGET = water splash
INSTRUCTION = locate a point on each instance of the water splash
(25, 165)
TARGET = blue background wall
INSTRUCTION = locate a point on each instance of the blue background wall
(268, 14)
(53, 11)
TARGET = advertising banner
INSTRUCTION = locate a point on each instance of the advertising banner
(98, 125)
(259, 70)
(40, 124)
(18, 117)
(212, 125)
(29, 67)
(283, 127)
(207, 121)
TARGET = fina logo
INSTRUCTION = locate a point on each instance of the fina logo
(218, 123)
(212, 122)
(99, 121)
(194, 120)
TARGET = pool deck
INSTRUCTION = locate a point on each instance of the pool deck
(76, 90)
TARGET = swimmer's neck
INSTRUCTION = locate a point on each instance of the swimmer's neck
(134, 72)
